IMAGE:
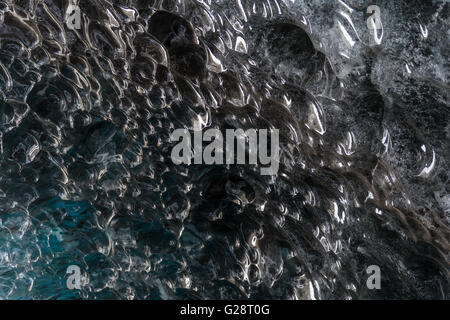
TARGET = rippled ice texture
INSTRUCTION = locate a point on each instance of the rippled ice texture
(85, 171)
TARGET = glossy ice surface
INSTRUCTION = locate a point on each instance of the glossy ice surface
(86, 177)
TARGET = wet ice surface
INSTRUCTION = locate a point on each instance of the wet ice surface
(86, 177)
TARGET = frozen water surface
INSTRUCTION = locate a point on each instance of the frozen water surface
(86, 177)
